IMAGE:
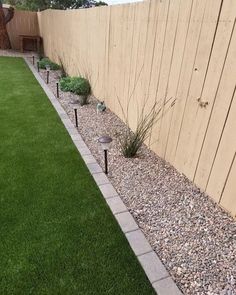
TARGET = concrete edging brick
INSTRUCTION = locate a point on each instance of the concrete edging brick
(156, 272)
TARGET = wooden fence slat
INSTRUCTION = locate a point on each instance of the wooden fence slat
(224, 157)
(139, 78)
(229, 193)
(218, 118)
(135, 64)
(149, 53)
(127, 53)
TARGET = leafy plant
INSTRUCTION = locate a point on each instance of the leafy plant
(65, 84)
(35, 5)
(46, 61)
(77, 85)
(81, 86)
(101, 3)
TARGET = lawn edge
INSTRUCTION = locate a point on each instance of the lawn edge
(154, 269)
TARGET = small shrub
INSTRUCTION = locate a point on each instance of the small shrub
(46, 61)
(80, 86)
(65, 84)
(77, 85)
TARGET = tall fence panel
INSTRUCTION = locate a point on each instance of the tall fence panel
(23, 23)
(153, 51)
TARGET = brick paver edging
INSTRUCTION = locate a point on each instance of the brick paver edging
(157, 274)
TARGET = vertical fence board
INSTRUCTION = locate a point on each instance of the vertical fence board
(139, 78)
(149, 54)
(219, 116)
(224, 157)
(229, 193)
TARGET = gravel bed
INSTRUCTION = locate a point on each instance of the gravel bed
(194, 237)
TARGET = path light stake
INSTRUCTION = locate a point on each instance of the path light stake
(48, 70)
(57, 90)
(76, 117)
(33, 59)
(105, 142)
(38, 66)
(47, 77)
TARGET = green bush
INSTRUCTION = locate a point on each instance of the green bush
(65, 84)
(46, 61)
(77, 85)
(80, 86)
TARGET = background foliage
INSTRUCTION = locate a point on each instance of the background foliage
(35, 5)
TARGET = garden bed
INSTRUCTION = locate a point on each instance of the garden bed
(194, 237)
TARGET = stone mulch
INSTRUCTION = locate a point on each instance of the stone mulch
(194, 238)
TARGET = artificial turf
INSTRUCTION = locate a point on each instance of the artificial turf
(57, 235)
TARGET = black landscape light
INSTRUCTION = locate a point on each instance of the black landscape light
(57, 90)
(76, 117)
(105, 143)
(38, 66)
(33, 59)
(48, 71)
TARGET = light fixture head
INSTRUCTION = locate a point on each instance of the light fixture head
(47, 67)
(105, 142)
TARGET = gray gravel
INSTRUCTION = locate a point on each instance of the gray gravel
(194, 238)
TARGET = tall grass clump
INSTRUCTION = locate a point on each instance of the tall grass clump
(131, 141)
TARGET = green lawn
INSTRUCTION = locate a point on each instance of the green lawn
(57, 235)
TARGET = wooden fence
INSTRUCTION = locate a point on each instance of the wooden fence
(153, 51)
(23, 23)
